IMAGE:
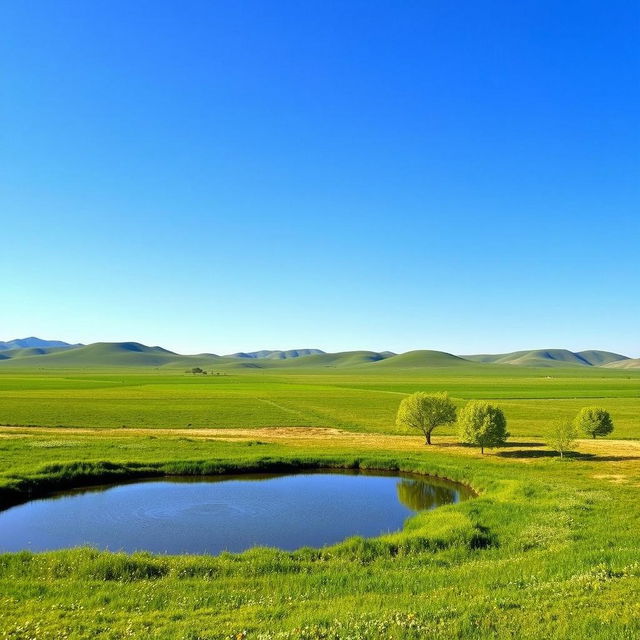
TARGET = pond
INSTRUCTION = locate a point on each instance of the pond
(224, 513)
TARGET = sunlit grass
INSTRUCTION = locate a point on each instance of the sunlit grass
(548, 549)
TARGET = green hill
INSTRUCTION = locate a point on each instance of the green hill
(601, 358)
(546, 358)
(99, 354)
(549, 358)
(31, 342)
(32, 351)
(422, 358)
(627, 363)
(275, 354)
(341, 359)
(134, 354)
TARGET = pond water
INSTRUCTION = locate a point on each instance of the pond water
(232, 513)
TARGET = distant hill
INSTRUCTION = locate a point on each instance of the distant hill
(99, 354)
(600, 358)
(422, 358)
(55, 354)
(627, 363)
(134, 354)
(343, 359)
(549, 358)
(31, 351)
(276, 355)
(33, 342)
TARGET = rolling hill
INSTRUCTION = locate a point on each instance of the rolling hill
(99, 354)
(33, 342)
(340, 359)
(627, 363)
(422, 359)
(601, 358)
(134, 354)
(276, 354)
(31, 351)
(549, 358)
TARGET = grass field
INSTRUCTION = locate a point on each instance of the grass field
(351, 400)
(547, 549)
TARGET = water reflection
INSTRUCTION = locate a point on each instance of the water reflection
(420, 495)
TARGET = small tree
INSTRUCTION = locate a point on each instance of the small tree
(425, 412)
(594, 421)
(482, 424)
(563, 437)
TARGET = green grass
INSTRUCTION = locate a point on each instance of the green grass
(346, 399)
(548, 549)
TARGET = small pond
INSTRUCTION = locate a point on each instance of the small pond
(231, 512)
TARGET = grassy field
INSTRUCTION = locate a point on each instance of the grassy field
(547, 549)
(356, 401)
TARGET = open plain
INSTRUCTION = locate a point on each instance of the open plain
(547, 548)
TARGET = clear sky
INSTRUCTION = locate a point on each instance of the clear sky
(234, 175)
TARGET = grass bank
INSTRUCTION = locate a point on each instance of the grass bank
(548, 548)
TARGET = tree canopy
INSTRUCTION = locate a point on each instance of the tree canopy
(594, 421)
(482, 424)
(424, 412)
(563, 437)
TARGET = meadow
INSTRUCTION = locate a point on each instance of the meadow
(354, 400)
(547, 549)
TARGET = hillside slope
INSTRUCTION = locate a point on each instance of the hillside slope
(600, 358)
(549, 358)
(276, 354)
(422, 358)
(628, 363)
(99, 354)
(135, 354)
(339, 360)
(33, 342)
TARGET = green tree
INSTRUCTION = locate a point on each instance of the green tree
(594, 421)
(425, 412)
(563, 437)
(482, 424)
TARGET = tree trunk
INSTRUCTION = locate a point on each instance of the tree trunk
(482, 449)
(427, 436)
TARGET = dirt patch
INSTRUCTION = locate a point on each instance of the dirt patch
(621, 457)
(616, 478)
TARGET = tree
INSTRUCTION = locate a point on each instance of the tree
(563, 437)
(594, 421)
(482, 424)
(425, 412)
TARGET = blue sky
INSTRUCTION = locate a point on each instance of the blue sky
(216, 176)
